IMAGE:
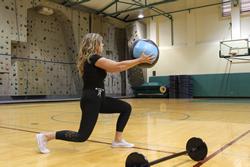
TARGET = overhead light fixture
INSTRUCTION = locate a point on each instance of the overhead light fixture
(45, 10)
(140, 16)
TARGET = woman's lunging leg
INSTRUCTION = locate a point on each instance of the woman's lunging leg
(111, 105)
(90, 111)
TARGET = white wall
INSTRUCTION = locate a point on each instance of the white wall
(196, 40)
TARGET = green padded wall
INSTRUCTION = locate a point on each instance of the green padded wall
(216, 85)
(222, 85)
(164, 80)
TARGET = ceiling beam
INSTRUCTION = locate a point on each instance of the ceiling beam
(141, 7)
(125, 18)
(155, 10)
(106, 7)
(128, 3)
(182, 10)
(70, 3)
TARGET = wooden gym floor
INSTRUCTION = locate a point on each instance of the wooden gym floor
(158, 127)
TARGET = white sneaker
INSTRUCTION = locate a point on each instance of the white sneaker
(122, 143)
(42, 143)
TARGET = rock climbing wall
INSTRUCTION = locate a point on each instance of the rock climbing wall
(114, 48)
(5, 68)
(136, 76)
(38, 52)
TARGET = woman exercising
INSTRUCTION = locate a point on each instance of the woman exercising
(93, 69)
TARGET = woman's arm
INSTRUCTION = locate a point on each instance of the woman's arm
(114, 66)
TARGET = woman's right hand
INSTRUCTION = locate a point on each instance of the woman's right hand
(146, 58)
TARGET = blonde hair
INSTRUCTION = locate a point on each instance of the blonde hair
(88, 47)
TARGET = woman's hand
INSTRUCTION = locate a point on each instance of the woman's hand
(146, 58)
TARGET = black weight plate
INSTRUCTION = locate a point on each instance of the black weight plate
(136, 160)
(196, 149)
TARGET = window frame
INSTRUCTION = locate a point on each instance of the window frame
(226, 7)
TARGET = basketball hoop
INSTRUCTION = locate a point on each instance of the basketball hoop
(232, 53)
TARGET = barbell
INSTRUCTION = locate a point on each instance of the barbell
(196, 149)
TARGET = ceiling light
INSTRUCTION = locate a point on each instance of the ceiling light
(45, 10)
(140, 16)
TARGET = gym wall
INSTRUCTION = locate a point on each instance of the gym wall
(38, 52)
(197, 35)
(196, 40)
(117, 39)
(136, 76)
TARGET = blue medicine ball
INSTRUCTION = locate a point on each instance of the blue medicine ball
(148, 47)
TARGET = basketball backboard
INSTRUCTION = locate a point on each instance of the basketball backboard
(234, 48)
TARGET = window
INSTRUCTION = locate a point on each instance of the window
(244, 5)
(226, 7)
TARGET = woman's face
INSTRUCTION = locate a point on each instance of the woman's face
(99, 48)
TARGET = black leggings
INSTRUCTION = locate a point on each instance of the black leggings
(91, 105)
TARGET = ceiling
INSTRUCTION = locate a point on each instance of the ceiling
(124, 10)
(128, 10)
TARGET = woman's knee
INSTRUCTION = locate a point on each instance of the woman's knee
(127, 108)
(82, 138)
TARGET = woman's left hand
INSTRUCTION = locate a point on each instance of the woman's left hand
(146, 58)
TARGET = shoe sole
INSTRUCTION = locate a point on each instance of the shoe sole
(122, 146)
